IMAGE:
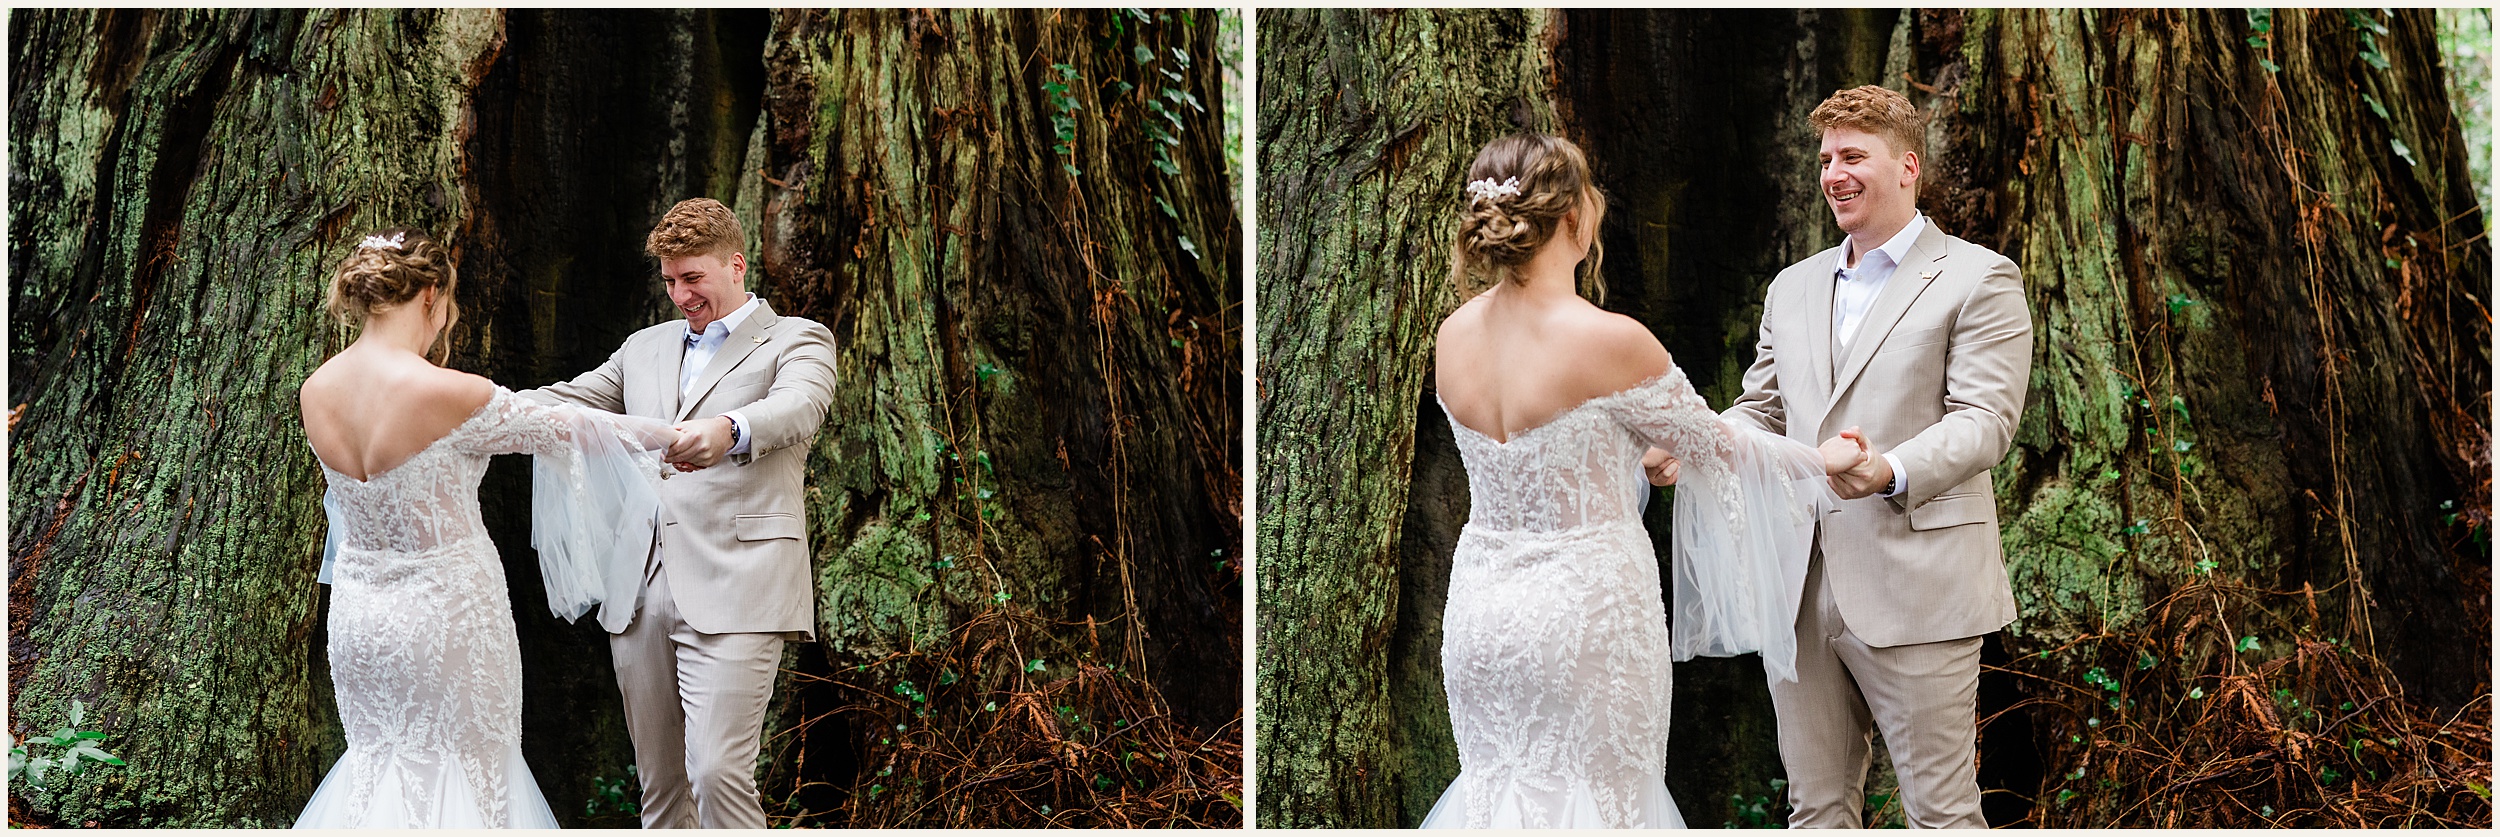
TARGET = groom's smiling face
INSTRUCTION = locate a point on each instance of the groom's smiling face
(1866, 182)
(705, 287)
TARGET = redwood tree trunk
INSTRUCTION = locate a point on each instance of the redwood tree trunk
(1028, 494)
(180, 180)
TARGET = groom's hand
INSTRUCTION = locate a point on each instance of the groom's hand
(1661, 467)
(700, 444)
(1871, 476)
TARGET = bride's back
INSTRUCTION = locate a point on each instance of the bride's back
(1510, 360)
(370, 409)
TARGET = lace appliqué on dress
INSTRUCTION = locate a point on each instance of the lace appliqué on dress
(423, 655)
(1555, 650)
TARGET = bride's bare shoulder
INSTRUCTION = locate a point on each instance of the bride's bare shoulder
(1468, 316)
(450, 390)
(427, 389)
(1617, 352)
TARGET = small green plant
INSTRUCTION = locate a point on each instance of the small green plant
(1063, 115)
(1767, 811)
(76, 748)
(2261, 22)
(622, 797)
(2370, 29)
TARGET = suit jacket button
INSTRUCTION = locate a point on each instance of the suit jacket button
(667, 474)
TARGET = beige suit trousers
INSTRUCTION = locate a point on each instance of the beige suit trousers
(694, 704)
(1925, 698)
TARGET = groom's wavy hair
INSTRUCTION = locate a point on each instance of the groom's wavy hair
(388, 268)
(1875, 110)
(696, 227)
(1501, 230)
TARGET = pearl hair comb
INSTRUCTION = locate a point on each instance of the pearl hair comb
(1486, 188)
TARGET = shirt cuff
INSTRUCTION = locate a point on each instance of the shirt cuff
(746, 433)
(1900, 478)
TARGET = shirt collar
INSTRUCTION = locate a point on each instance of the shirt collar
(1898, 248)
(727, 324)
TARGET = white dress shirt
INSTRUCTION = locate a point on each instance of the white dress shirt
(1854, 290)
(700, 349)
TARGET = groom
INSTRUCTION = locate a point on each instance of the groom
(727, 578)
(1916, 345)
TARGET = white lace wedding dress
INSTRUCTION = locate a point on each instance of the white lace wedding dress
(1554, 645)
(423, 656)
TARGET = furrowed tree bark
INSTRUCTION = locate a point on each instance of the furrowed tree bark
(184, 181)
(1368, 123)
(181, 181)
(2267, 342)
(1038, 352)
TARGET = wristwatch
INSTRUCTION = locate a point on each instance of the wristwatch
(733, 431)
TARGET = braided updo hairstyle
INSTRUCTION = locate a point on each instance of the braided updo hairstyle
(387, 269)
(1498, 232)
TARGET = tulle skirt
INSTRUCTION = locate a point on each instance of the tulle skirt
(1575, 808)
(455, 806)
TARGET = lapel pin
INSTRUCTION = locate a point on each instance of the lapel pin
(759, 340)
(1930, 276)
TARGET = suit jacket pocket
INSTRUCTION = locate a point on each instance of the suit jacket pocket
(758, 380)
(1949, 510)
(1900, 340)
(765, 527)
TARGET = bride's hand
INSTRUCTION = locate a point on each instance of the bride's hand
(1841, 453)
(678, 436)
(1660, 467)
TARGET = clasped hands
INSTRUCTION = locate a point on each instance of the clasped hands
(1855, 469)
(700, 444)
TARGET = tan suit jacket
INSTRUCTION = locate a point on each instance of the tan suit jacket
(1936, 376)
(734, 536)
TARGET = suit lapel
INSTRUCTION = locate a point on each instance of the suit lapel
(1917, 271)
(742, 342)
(669, 357)
(1819, 320)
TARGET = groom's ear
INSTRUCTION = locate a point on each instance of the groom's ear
(1909, 167)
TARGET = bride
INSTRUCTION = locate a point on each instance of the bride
(422, 651)
(1555, 645)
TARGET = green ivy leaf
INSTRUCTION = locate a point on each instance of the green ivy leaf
(1190, 247)
(2361, 20)
(2403, 151)
(2246, 644)
(1166, 206)
(2269, 66)
(2375, 107)
(1144, 55)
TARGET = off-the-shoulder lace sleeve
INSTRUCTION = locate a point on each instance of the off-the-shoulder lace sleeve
(512, 424)
(1745, 505)
(594, 493)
